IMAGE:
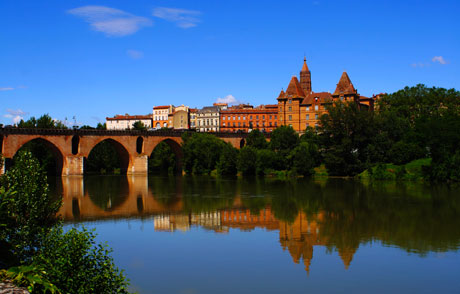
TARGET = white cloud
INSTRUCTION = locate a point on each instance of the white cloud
(135, 54)
(183, 18)
(6, 89)
(229, 99)
(110, 21)
(15, 115)
(439, 59)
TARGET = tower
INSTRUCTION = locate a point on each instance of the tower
(305, 78)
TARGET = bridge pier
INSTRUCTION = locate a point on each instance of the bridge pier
(73, 166)
(138, 165)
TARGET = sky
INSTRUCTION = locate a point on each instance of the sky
(82, 61)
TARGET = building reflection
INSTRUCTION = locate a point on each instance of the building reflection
(326, 217)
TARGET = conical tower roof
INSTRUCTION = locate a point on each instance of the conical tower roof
(305, 66)
(344, 86)
(294, 89)
(281, 95)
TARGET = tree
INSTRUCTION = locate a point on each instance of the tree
(101, 126)
(162, 160)
(43, 122)
(138, 125)
(283, 140)
(347, 134)
(227, 164)
(256, 139)
(201, 153)
(304, 158)
(267, 159)
(247, 160)
(103, 158)
(28, 209)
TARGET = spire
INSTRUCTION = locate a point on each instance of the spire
(345, 85)
(281, 95)
(305, 78)
(305, 66)
(294, 89)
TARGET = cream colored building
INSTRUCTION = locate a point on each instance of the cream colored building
(161, 116)
(126, 122)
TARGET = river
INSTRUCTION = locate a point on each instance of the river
(191, 235)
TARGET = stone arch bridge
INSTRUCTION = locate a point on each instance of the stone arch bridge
(71, 147)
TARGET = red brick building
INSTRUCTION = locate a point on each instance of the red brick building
(244, 118)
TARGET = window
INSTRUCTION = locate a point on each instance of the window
(341, 98)
(239, 117)
(316, 107)
(257, 124)
(308, 108)
(263, 124)
(270, 117)
(257, 117)
(223, 124)
(234, 117)
(290, 108)
(290, 117)
(239, 124)
(244, 117)
(223, 117)
(281, 108)
(263, 116)
(316, 116)
(270, 123)
(308, 116)
(276, 124)
(244, 124)
(233, 124)
(290, 101)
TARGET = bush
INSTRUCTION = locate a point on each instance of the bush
(403, 152)
(227, 161)
(304, 158)
(28, 210)
(75, 263)
(256, 139)
(267, 160)
(201, 153)
(247, 160)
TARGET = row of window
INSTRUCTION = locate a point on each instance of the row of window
(160, 117)
(307, 117)
(212, 122)
(244, 117)
(250, 124)
(308, 108)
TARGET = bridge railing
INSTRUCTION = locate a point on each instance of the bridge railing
(95, 132)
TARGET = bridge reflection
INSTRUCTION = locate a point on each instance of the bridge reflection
(162, 200)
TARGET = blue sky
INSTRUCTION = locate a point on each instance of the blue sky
(92, 59)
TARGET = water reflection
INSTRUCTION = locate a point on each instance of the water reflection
(340, 215)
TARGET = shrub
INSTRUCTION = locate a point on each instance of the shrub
(227, 161)
(247, 160)
(75, 263)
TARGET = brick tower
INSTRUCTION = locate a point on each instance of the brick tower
(305, 78)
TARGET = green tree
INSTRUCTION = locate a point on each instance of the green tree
(347, 134)
(304, 158)
(101, 126)
(227, 161)
(283, 140)
(28, 209)
(75, 263)
(201, 153)
(43, 122)
(256, 139)
(266, 160)
(247, 160)
(139, 126)
(162, 159)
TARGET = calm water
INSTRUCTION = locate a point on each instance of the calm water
(201, 235)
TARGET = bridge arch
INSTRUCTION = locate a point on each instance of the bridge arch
(139, 145)
(121, 150)
(50, 146)
(174, 145)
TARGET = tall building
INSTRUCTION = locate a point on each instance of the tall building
(160, 116)
(300, 107)
(208, 118)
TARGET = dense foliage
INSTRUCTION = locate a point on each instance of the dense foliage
(35, 248)
(43, 122)
(103, 159)
(162, 160)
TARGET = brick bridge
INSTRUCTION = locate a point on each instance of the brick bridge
(71, 147)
